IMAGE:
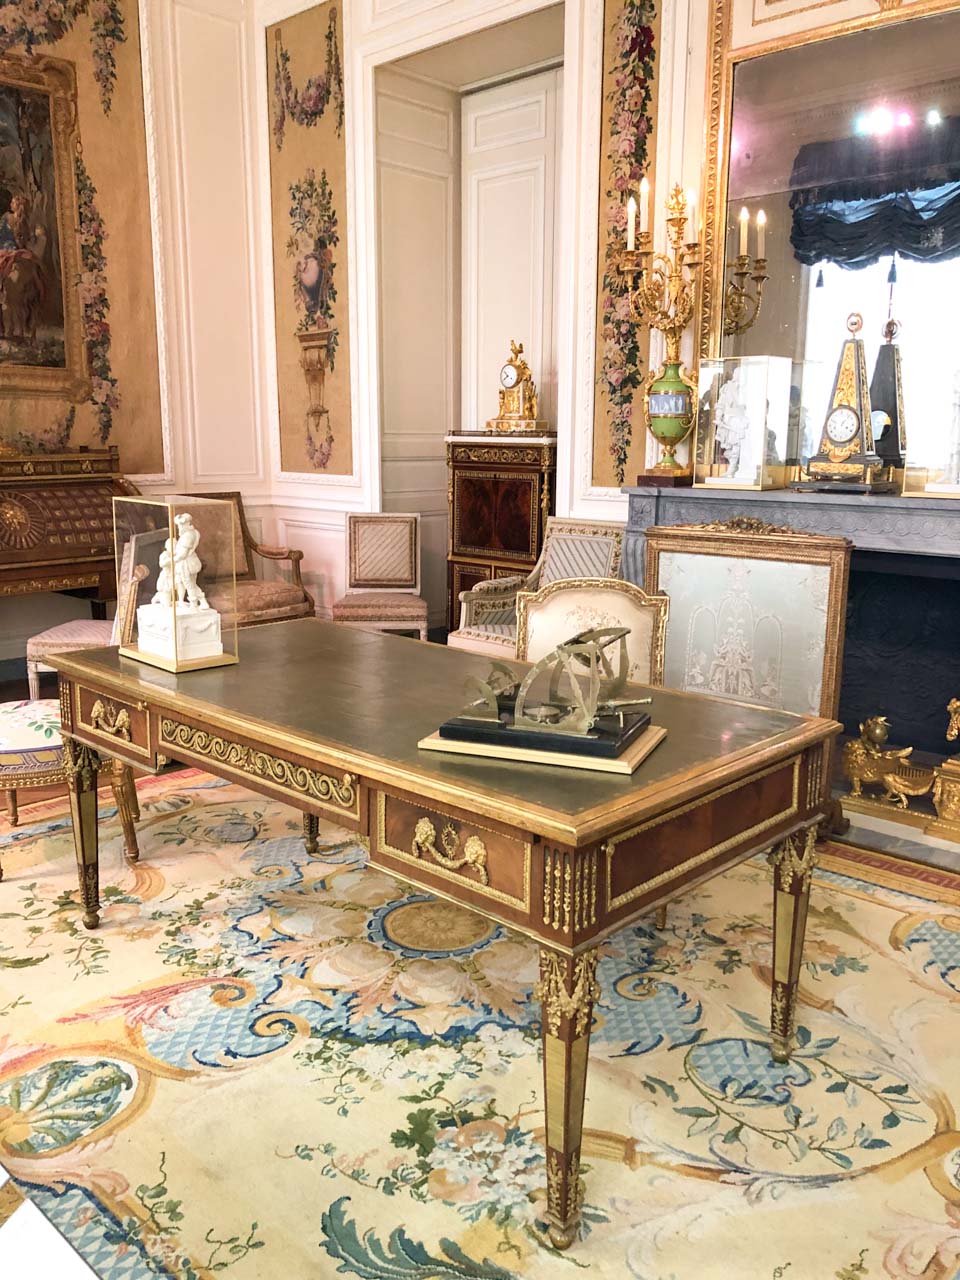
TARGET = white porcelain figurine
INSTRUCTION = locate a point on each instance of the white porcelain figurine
(187, 563)
(164, 592)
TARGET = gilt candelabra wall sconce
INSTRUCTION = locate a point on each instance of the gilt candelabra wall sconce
(664, 291)
(741, 307)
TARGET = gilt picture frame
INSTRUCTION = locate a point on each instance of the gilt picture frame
(42, 341)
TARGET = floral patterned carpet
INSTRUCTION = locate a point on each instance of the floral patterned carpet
(276, 1066)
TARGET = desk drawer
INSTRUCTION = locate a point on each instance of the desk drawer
(113, 720)
(464, 856)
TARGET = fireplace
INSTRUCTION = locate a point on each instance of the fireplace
(902, 651)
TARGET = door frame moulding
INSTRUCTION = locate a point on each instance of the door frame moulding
(376, 32)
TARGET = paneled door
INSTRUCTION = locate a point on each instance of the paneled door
(510, 142)
(418, 193)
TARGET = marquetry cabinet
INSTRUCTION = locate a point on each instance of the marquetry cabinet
(500, 490)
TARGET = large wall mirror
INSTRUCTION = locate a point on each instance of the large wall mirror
(850, 146)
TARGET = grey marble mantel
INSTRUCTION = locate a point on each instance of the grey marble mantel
(872, 522)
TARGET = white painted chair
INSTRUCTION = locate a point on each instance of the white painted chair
(562, 609)
(383, 575)
(571, 549)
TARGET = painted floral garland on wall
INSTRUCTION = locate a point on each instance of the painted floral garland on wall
(47, 21)
(632, 56)
(306, 106)
(92, 287)
(314, 236)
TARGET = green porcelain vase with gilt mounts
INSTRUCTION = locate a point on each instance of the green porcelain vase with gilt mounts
(669, 404)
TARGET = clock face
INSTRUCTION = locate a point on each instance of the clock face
(843, 424)
(508, 375)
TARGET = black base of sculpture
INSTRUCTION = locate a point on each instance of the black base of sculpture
(609, 737)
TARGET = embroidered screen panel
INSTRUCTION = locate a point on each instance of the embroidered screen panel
(748, 630)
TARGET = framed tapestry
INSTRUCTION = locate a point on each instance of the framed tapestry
(42, 347)
(757, 612)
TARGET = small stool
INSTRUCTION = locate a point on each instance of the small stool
(31, 755)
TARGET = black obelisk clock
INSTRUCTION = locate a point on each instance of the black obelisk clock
(847, 459)
(886, 398)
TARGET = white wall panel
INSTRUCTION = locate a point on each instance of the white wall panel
(510, 145)
(418, 203)
(216, 297)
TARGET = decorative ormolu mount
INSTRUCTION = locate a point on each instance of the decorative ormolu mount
(946, 787)
(867, 760)
(106, 717)
(341, 792)
(81, 763)
(551, 991)
(749, 524)
(569, 888)
(473, 857)
(793, 861)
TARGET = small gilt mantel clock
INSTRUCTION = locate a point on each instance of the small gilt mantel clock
(519, 403)
(847, 459)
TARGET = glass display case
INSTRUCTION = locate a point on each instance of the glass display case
(743, 423)
(176, 580)
(932, 467)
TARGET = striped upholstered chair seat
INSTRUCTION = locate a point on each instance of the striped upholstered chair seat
(383, 575)
(572, 550)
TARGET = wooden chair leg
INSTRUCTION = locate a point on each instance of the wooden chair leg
(661, 920)
(33, 680)
(118, 783)
(12, 808)
(130, 785)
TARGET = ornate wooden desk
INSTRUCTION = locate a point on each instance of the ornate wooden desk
(328, 718)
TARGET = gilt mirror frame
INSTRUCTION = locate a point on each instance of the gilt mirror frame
(722, 61)
(56, 80)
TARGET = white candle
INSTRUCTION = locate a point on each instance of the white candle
(644, 206)
(692, 236)
(744, 229)
(761, 233)
(631, 224)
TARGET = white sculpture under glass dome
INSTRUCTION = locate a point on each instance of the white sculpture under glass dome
(742, 423)
(175, 542)
(191, 629)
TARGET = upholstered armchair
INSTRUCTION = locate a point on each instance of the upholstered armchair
(260, 599)
(572, 549)
(562, 609)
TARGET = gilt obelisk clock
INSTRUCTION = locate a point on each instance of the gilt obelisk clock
(847, 459)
